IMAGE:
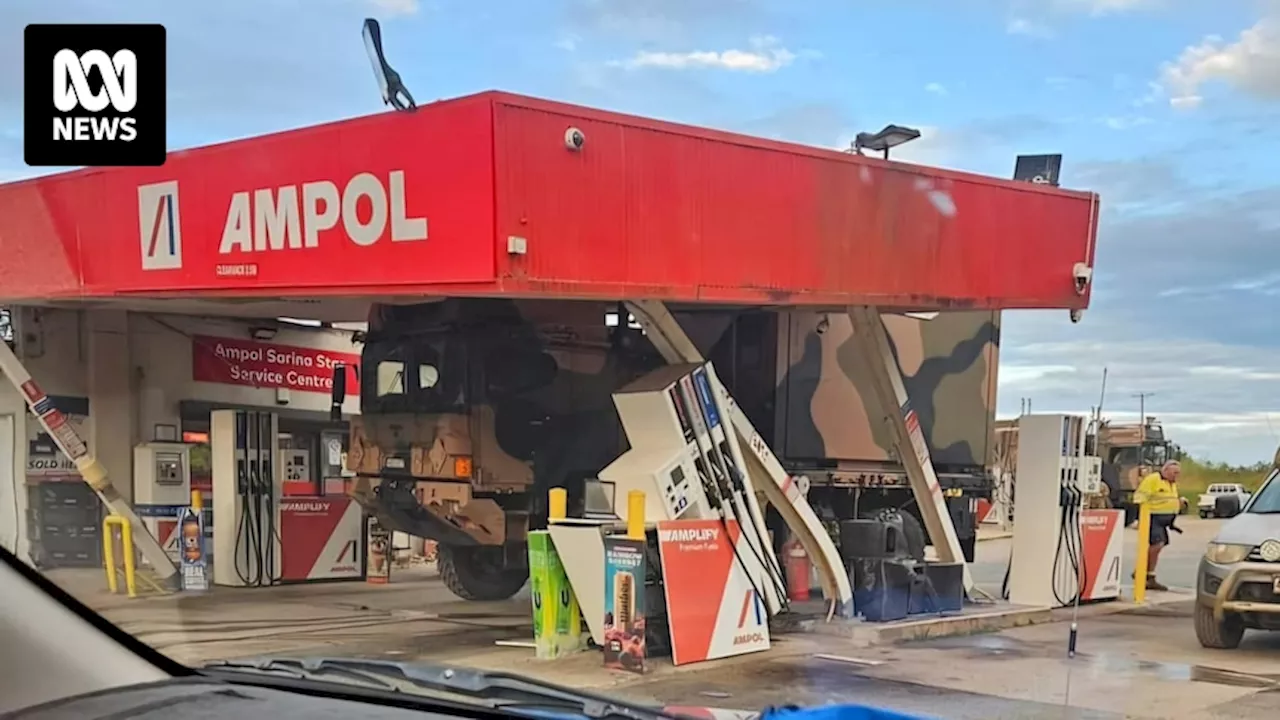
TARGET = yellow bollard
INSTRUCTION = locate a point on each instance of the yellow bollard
(197, 501)
(558, 504)
(108, 554)
(1144, 545)
(635, 515)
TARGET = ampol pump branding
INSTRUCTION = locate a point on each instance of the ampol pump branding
(94, 95)
(699, 562)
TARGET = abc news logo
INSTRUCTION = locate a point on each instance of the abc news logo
(94, 95)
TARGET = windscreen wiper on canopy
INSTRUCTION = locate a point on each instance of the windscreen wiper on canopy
(498, 690)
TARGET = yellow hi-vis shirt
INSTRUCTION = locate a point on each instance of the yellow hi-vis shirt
(1160, 494)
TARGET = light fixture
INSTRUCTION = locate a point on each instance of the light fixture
(394, 93)
(262, 333)
(891, 136)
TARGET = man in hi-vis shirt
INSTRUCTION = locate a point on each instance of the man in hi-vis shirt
(1160, 491)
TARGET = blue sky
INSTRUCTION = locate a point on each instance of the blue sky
(1169, 108)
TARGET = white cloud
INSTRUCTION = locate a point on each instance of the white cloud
(1251, 63)
(1125, 122)
(935, 88)
(1104, 7)
(765, 55)
(568, 43)
(397, 7)
(1023, 26)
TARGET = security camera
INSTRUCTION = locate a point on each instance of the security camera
(1077, 314)
(1082, 274)
(823, 325)
(574, 139)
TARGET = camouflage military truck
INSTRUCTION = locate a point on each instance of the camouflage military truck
(827, 428)
(473, 409)
(1128, 454)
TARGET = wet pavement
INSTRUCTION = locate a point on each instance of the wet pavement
(809, 681)
(1140, 663)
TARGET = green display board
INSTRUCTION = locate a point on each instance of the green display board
(557, 619)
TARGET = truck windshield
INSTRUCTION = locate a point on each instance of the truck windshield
(418, 376)
(1155, 455)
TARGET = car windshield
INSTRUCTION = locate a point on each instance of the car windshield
(1267, 499)
(718, 354)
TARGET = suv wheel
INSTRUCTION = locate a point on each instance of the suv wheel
(1225, 635)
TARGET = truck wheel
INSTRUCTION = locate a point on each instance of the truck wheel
(1225, 635)
(476, 573)
(1204, 514)
(911, 528)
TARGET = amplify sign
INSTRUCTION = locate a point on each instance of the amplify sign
(94, 95)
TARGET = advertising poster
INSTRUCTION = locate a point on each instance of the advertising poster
(712, 607)
(1103, 545)
(324, 539)
(557, 619)
(195, 566)
(624, 573)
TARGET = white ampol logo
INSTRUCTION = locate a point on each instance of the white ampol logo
(71, 91)
(160, 226)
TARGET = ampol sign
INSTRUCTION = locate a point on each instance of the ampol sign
(245, 362)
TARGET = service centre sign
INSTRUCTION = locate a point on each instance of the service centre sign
(232, 361)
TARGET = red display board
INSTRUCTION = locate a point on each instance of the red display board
(232, 361)
(1101, 534)
(712, 609)
(320, 539)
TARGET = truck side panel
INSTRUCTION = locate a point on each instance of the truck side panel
(949, 366)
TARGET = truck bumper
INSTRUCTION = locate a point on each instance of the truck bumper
(1245, 587)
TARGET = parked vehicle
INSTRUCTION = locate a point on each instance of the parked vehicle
(1208, 500)
(1238, 585)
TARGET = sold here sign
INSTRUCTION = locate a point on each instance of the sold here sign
(265, 365)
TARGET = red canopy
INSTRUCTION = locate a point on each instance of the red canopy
(483, 195)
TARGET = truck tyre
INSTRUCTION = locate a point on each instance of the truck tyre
(1225, 635)
(471, 573)
(1204, 514)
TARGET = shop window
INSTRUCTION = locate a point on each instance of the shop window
(390, 380)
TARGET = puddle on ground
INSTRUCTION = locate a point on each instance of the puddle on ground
(998, 646)
(979, 646)
(1176, 672)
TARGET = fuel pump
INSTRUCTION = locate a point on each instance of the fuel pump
(247, 486)
(1047, 565)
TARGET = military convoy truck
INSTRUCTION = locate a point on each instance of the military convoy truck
(1129, 453)
(471, 409)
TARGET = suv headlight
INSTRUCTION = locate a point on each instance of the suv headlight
(1224, 554)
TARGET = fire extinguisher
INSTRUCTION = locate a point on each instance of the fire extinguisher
(798, 570)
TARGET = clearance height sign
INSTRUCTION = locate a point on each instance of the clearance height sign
(232, 361)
